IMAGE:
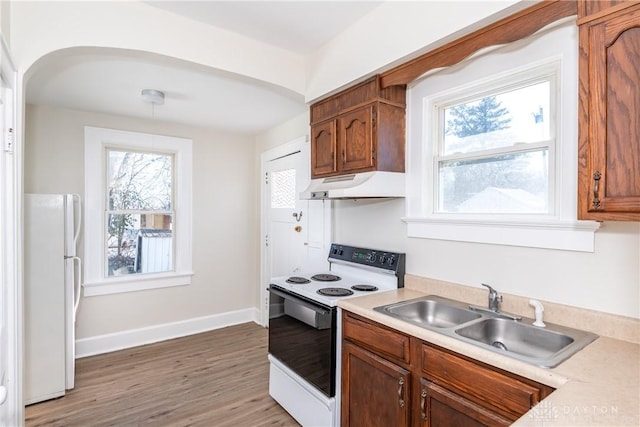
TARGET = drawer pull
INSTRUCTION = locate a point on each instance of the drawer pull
(401, 392)
(423, 403)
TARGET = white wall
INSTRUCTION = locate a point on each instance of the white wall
(41, 27)
(607, 280)
(225, 223)
(5, 20)
(390, 33)
(394, 32)
(288, 131)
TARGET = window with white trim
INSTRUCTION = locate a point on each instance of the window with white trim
(492, 147)
(137, 211)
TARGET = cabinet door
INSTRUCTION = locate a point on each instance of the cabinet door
(439, 407)
(323, 149)
(356, 133)
(375, 392)
(610, 118)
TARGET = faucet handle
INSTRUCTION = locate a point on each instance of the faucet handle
(491, 290)
(494, 299)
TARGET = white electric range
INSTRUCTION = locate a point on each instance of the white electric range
(305, 333)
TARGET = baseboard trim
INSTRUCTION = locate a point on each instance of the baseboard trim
(135, 337)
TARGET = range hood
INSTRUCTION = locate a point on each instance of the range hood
(376, 184)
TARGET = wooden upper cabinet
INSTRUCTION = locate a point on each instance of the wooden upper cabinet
(324, 148)
(362, 127)
(609, 117)
(355, 131)
(590, 9)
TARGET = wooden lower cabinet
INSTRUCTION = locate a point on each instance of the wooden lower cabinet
(506, 395)
(441, 407)
(375, 391)
(392, 379)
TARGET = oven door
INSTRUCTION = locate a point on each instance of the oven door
(302, 335)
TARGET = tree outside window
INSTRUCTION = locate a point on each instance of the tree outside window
(483, 116)
(494, 153)
(139, 213)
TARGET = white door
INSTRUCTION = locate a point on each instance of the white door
(287, 218)
(296, 232)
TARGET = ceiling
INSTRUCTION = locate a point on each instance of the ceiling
(299, 26)
(111, 81)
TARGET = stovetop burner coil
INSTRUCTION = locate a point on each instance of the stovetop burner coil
(298, 280)
(325, 277)
(366, 288)
(335, 292)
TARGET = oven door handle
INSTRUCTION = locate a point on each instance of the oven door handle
(299, 300)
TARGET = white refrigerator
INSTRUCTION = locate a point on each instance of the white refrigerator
(52, 279)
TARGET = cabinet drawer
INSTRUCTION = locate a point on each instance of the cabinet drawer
(377, 338)
(441, 407)
(505, 394)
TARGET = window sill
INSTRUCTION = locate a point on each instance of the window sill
(552, 234)
(116, 285)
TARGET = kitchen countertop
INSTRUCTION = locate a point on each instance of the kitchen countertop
(599, 385)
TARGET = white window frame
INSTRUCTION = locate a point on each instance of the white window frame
(510, 80)
(97, 140)
(550, 51)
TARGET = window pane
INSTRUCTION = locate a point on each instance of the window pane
(139, 181)
(508, 183)
(139, 243)
(283, 190)
(517, 116)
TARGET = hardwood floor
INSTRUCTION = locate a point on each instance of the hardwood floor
(217, 378)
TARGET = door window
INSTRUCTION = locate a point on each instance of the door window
(283, 190)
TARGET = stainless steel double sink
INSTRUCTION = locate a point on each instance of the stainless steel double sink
(546, 347)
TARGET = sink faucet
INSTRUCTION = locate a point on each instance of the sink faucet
(494, 306)
(494, 299)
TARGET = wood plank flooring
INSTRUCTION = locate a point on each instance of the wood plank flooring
(217, 378)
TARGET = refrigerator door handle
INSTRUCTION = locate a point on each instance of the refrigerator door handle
(78, 216)
(77, 284)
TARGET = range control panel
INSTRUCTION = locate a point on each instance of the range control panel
(392, 261)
